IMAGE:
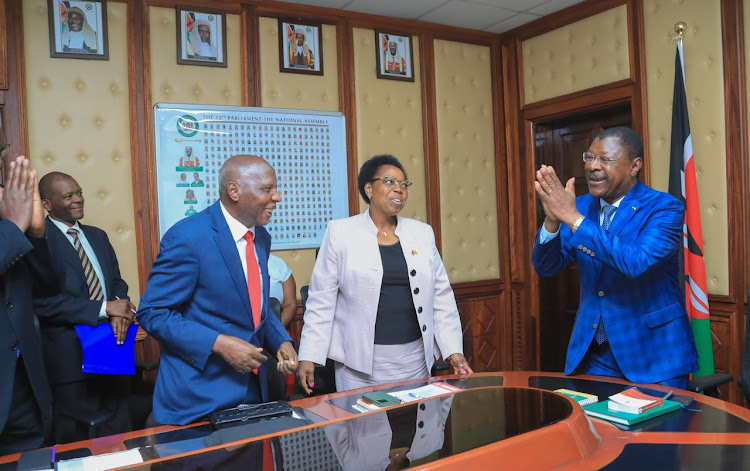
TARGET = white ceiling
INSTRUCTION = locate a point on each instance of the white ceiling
(495, 16)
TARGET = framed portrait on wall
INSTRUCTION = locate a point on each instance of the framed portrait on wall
(201, 37)
(78, 30)
(300, 47)
(394, 55)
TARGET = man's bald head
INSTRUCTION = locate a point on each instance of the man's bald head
(247, 189)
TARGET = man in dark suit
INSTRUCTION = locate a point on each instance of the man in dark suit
(207, 301)
(91, 291)
(625, 238)
(25, 399)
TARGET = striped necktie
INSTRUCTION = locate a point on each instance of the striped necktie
(92, 280)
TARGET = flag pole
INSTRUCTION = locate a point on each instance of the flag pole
(683, 185)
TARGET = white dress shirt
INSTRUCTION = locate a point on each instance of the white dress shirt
(238, 231)
(90, 253)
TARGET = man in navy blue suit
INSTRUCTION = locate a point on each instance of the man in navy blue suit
(91, 291)
(207, 301)
(25, 399)
(625, 238)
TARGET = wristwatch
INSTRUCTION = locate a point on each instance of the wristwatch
(577, 223)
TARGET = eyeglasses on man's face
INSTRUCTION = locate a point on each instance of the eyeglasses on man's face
(390, 182)
(589, 157)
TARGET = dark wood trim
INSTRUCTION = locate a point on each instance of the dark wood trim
(14, 98)
(473, 289)
(738, 171)
(583, 100)
(348, 106)
(562, 18)
(501, 157)
(518, 240)
(430, 135)
(228, 7)
(144, 193)
(3, 47)
(639, 102)
(251, 84)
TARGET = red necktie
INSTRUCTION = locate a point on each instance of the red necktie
(253, 279)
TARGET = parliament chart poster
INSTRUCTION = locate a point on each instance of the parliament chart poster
(307, 149)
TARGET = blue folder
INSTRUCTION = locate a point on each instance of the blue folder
(102, 355)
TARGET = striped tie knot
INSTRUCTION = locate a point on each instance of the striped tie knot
(92, 280)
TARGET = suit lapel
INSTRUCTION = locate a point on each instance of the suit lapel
(627, 209)
(62, 246)
(262, 246)
(228, 249)
(99, 251)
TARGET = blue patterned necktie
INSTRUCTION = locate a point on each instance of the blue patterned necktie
(609, 211)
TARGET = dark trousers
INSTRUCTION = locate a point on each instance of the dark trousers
(23, 429)
(101, 398)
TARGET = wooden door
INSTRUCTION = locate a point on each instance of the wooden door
(560, 144)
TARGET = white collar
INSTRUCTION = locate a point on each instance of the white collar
(237, 229)
(64, 227)
(616, 204)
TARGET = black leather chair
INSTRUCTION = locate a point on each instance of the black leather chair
(744, 380)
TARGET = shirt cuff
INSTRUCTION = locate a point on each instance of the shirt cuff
(103, 311)
(546, 236)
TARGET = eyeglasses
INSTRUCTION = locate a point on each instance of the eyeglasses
(390, 182)
(589, 157)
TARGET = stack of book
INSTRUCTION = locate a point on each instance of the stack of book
(631, 407)
(375, 400)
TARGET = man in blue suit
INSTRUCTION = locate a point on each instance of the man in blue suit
(200, 296)
(625, 238)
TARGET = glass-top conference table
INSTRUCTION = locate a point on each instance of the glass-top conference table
(509, 420)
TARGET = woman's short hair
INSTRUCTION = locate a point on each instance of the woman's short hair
(368, 170)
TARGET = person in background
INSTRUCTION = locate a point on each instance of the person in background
(91, 290)
(380, 304)
(25, 270)
(283, 288)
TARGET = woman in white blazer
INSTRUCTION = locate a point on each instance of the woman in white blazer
(380, 304)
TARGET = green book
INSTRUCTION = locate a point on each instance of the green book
(583, 399)
(381, 399)
(602, 411)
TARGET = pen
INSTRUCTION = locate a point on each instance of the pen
(669, 394)
(131, 309)
(415, 396)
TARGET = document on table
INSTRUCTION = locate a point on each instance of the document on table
(101, 462)
(431, 390)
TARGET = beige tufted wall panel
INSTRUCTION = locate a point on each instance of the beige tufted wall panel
(79, 123)
(389, 119)
(468, 203)
(581, 55)
(298, 91)
(174, 83)
(704, 81)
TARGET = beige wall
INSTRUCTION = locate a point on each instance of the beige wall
(174, 83)
(468, 204)
(704, 77)
(545, 56)
(79, 123)
(590, 52)
(389, 119)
